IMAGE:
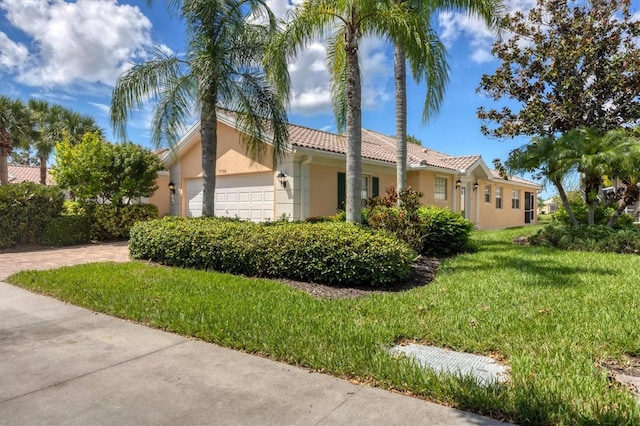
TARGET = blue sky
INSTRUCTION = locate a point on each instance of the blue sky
(71, 52)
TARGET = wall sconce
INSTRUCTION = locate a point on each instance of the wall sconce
(458, 183)
(475, 186)
(172, 187)
(282, 178)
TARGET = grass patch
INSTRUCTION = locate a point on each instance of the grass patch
(551, 315)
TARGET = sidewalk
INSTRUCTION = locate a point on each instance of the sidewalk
(63, 364)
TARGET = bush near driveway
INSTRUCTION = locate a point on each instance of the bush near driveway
(25, 209)
(330, 252)
(66, 231)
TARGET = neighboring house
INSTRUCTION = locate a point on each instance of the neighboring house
(549, 206)
(19, 173)
(311, 179)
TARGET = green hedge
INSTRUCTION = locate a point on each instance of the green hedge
(589, 238)
(66, 231)
(114, 223)
(329, 252)
(25, 209)
(429, 230)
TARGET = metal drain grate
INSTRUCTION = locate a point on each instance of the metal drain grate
(484, 369)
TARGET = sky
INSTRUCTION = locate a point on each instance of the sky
(72, 52)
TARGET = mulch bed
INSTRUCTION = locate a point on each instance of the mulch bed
(424, 271)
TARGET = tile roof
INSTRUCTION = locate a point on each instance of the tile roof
(19, 173)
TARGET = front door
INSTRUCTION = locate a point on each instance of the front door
(529, 207)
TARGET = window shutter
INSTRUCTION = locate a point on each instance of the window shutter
(375, 186)
(342, 190)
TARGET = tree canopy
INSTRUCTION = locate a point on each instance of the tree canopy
(98, 171)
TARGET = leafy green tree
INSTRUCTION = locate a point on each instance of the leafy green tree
(52, 123)
(16, 129)
(427, 63)
(222, 67)
(98, 171)
(574, 69)
(344, 23)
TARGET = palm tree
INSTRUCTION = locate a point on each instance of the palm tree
(427, 64)
(53, 122)
(226, 40)
(345, 22)
(16, 128)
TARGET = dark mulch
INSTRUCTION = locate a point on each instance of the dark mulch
(424, 271)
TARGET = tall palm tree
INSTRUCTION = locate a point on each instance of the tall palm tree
(16, 128)
(52, 123)
(226, 40)
(431, 68)
(344, 23)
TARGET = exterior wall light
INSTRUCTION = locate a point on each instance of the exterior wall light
(458, 183)
(282, 178)
(172, 187)
(475, 186)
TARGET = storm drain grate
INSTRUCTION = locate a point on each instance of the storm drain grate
(484, 369)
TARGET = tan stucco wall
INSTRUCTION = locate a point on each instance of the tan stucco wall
(494, 218)
(425, 181)
(162, 197)
(323, 186)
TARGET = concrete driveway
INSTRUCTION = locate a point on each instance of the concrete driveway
(61, 364)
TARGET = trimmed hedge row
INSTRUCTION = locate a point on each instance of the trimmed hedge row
(329, 252)
(25, 209)
(66, 231)
(114, 223)
(589, 238)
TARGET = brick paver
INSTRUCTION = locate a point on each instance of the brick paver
(11, 263)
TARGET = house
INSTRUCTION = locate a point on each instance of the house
(311, 179)
(549, 206)
(19, 173)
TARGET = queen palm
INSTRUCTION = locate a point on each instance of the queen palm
(344, 23)
(16, 128)
(431, 68)
(226, 40)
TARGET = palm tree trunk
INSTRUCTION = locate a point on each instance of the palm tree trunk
(401, 118)
(565, 202)
(43, 170)
(209, 137)
(354, 129)
(4, 167)
(630, 197)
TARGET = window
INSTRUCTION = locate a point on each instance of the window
(440, 193)
(364, 190)
(515, 198)
(487, 193)
(498, 197)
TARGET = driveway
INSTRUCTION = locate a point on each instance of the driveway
(61, 364)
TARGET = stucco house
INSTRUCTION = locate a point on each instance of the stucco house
(311, 179)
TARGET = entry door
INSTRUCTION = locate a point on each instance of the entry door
(529, 204)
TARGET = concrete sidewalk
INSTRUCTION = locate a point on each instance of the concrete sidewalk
(61, 364)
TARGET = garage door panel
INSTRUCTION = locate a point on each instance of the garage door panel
(247, 197)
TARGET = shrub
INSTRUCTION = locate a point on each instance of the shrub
(66, 231)
(398, 222)
(444, 232)
(597, 238)
(328, 252)
(25, 209)
(110, 222)
(601, 214)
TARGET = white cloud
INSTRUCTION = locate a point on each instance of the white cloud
(310, 80)
(89, 40)
(12, 55)
(104, 109)
(459, 25)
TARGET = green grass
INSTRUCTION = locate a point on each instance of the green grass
(551, 315)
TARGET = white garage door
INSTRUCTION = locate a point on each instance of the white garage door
(246, 197)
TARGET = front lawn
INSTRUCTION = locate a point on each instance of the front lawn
(553, 316)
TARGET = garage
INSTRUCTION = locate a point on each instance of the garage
(243, 196)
